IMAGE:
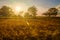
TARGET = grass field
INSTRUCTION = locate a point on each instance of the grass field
(43, 28)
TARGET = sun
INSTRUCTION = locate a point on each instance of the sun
(17, 9)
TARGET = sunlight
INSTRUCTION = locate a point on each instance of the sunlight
(17, 9)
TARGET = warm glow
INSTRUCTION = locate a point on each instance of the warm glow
(17, 9)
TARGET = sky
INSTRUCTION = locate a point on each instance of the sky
(42, 5)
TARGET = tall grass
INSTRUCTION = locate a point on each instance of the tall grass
(30, 29)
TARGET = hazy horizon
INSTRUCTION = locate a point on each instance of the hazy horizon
(42, 5)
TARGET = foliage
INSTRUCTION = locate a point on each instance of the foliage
(32, 10)
(5, 11)
(51, 11)
(27, 15)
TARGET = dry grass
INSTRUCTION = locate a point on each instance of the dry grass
(30, 29)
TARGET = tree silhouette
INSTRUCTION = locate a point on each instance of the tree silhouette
(51, 11)
(46, 13)
(32, 10)
(5, 11)
(26, 14)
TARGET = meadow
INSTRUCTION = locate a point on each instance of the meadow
(42, 28)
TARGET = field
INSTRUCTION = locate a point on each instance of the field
(43, 28)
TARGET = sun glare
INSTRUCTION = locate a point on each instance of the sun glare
(17, 9)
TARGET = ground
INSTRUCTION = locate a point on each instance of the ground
(42, 28)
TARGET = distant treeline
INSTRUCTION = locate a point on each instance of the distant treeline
(6, 11)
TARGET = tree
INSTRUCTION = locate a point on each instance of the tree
(26, 14)
(32, 10)
(5, 11)
(51, 11)
(46, 13)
